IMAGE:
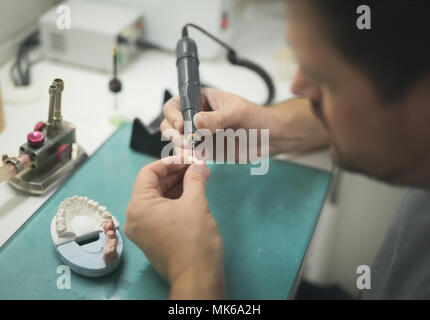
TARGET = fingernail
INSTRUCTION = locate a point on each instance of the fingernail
(199, 167)
(203, 119)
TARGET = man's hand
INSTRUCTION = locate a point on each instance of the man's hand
(168, 218)
(220, 110)
(292, 124)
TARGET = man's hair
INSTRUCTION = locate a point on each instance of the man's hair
(395, 52)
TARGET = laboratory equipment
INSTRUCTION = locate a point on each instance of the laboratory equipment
(115, 87)
(80, 233)
(148, 139)
(187, 63)
(234, 59)
(163, 19)
(50, 154)
(95, 28)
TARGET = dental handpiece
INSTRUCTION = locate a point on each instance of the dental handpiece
(187, 63)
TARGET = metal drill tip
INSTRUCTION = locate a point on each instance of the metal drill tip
(193, 148)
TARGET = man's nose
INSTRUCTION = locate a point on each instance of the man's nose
(302, 85)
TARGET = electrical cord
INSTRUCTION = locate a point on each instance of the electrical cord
(144, 45)
(20, 70)
(235, 60)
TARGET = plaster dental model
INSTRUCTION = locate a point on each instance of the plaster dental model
(86, 237)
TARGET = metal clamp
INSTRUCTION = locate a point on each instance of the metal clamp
(19, 165)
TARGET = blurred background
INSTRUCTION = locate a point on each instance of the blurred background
(358, 210)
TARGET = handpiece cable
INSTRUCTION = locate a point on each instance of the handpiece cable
(235, 60)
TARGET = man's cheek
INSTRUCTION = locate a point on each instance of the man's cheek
(345, 126)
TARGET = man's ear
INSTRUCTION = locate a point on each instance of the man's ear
(419, 92)
(416, 101)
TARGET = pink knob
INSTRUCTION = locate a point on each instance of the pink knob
(64, 152)
(35, 139)
(39, 126)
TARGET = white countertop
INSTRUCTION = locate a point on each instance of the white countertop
(88, 104)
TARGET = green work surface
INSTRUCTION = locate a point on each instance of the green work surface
(266, 223)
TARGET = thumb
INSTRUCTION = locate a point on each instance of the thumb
(195, 180)
(219, 119)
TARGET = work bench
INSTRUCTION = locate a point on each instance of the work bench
(266, 221)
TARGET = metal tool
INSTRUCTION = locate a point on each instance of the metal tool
(187, 63)
(50, 154)
(115, 85)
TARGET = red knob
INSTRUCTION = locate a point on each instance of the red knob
(35, 139)
(39, 126)
(64, 152)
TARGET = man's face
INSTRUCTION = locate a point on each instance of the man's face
(366, 133)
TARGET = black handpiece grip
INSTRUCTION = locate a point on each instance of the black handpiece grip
(187, 63)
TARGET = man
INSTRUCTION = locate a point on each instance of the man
(365, 95)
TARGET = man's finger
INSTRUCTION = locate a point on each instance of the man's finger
(221, 110)
(171, 133)
(175, 192)
(195, 180)
(172, 112)
(149, 177)
(171, 181)
(213, 99)
(164, 125)
(220, 119)
(185, 153)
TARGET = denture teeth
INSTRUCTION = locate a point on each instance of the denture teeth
(76, 206)
(115, 222)
(61, 228)
(106, 215)
(112, 242)
(60, 213)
